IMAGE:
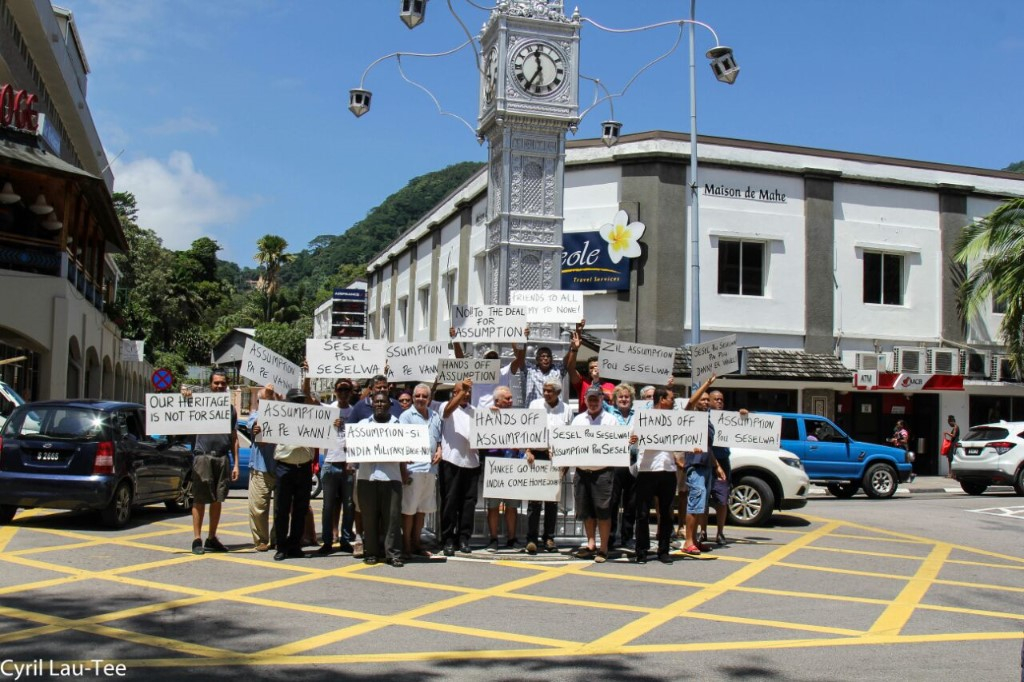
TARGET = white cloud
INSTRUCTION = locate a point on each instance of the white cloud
(177, 201)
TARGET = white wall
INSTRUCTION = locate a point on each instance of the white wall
(984, 327)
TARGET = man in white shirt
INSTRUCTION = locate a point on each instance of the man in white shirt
(420, 495)
(656, 481)
(337, 479)
(558, 414)
(485, 392)
(460, 470)
(380, 496)
(593, 485)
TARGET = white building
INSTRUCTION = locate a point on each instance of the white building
(820, 262)
(57, 276)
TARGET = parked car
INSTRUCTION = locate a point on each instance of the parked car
(245, 449)
(842, 464)
(764, 481)
(9, 399)
(89, 454)
(990, 454)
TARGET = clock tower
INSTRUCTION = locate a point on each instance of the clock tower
(529, 96)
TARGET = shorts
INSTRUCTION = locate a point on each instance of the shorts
(495, 502)
(593, 493)
(720, 492)
(210, 478)
(420, 496)
(698, 478)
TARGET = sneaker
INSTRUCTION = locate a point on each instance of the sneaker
(214, 545)
(550, 546)
(531, 547)
(357, 549)
(512, 544)
(629, 546)
(465, 548)
(396, 563)
(492, 546)
(197, 546)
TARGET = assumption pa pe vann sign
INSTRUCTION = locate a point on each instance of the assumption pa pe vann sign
(600, 259)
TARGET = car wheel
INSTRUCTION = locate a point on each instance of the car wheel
(1018, 483)
(844, 490)
(973, 488)
(751, 502)
(880, 481)
(314, 492)
(183, 502)
(7, 512)
(117, 513)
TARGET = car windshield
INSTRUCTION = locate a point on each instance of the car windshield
(987, 433)
(55, 422)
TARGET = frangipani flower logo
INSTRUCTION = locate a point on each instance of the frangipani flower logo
(623, 237)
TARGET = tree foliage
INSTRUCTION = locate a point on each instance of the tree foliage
(183, 302)
(991, 253)
(1017, 167)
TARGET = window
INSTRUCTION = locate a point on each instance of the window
(740, 267)
(403, 317)
(385, 323)
(449, 293)
(998, 307)
(883, 278)
(424, 300)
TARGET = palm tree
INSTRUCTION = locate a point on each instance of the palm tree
(992, 249)
(271, 256)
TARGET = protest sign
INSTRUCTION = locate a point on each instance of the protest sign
(172, 414)
(352, 359)
(298, 424)
(264, 366)
(414, 361)
(540, 305)
(636, 362)
(757, 431)
(387, 442)
(673, 430)
(590, 446)
(480, 370)
(509, 428)
(132, 351)
(714, 357)
(489, 324)
(517, 479)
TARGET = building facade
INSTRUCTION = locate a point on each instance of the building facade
(822, 263)
(58, 226)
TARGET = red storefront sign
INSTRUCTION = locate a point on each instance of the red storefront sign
(888, 381)
(17, 109)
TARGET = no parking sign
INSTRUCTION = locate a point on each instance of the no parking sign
(162, 379)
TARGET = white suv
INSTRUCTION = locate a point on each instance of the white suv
(991, 454)
(763, 481)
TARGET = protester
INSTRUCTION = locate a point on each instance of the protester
(624, 484)
(294, 471)
(502, 401)
(380, 496)
(460, 470)
(420, 495)
(700, 467)
(337, 480)
(656, 484)
(593, 485)
(262, 480)
(558, 414)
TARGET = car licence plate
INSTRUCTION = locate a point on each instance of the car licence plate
(973, 451)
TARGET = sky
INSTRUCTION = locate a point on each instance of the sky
(228, 119)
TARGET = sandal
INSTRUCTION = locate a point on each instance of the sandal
(585, 553)
(692, 550)
(702, 537)
(600, 558)
(720, 540)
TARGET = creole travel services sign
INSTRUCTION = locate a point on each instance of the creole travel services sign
(601, 259)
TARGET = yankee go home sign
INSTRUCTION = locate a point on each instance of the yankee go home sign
(773, 196)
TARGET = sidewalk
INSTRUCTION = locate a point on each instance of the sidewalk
(925, 484)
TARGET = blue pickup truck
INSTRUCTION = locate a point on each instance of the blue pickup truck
(840, 463)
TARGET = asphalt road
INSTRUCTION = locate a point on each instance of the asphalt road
(923, 586)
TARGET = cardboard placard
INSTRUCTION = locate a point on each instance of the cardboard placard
(264, 366)
(414, 361)
(672, 430)
(298, 424)
(509, 428)
(489, 324)
(480, 370)
(714, 357)
(516, 479)
(376, 442)
(543, 306)
(757, 431)
(636, 362)
(172, 414)
(590, 446)
(351, 359)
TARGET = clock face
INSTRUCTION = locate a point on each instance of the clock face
(539, 68)
(490, 74)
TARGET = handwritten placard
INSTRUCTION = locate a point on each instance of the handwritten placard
(298, 424)
(414, 361)
(636, 362)
(714, 357)
(590, 446)
(132, 351)
(172, 414)
(489, 323)
(480, 370)
(673, 430)
(264, 366)
(376, 442)
(540, 305)
(757, 431)
(517, 479)
(509, 428)
(352, 359)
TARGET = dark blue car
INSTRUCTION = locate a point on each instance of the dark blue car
(89, 454)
